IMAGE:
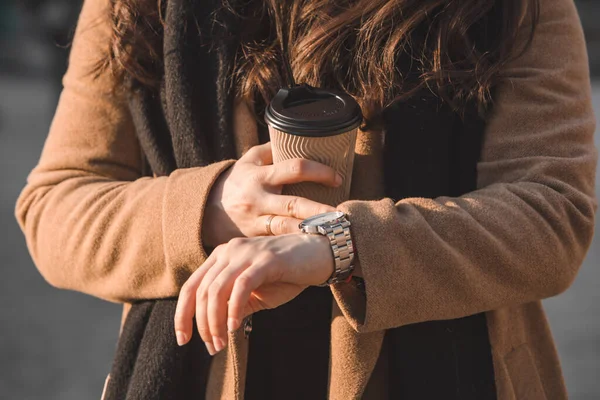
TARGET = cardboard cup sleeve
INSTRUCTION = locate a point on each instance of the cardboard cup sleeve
(335, 151)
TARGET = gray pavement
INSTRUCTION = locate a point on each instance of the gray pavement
(58, 345)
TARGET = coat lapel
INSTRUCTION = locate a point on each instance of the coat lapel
(352, 358)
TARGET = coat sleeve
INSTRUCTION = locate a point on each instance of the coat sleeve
(523, 234)
(92, 222)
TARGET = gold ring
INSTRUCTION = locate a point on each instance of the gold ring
(268, 225)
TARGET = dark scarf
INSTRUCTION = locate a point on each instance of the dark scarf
(178, 127)
(188, 123)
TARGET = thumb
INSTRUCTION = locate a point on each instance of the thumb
(260, 155)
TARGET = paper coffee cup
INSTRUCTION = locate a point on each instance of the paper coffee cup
(315, 124)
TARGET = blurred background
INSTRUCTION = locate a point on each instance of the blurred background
(59, 345)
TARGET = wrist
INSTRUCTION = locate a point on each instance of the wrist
(213, 231)
(208, 231)
(335, 227)
(328, 265)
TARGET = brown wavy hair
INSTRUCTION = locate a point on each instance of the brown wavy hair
(353, 45)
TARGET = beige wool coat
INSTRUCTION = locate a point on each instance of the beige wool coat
(95, 225)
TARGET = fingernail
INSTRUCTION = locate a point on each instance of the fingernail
(219, 343)
(338, 179)
(232, 324)
(210, 348)
(181, 338)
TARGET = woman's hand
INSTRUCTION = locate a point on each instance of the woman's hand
(244, 196)
(247, 275)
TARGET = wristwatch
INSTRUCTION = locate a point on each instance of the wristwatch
(336, 227)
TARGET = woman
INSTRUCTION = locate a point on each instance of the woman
(472, 196)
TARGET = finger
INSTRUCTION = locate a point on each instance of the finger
(301, 170)
(246, 282)
(184, 312)
(279, 225)
(271, 294)
(202, 303)
(218, 294)
(293, 206)
(259, 155)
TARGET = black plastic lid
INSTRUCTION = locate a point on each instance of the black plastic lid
(308, 111)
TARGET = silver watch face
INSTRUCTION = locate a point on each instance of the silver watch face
(323, 219)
